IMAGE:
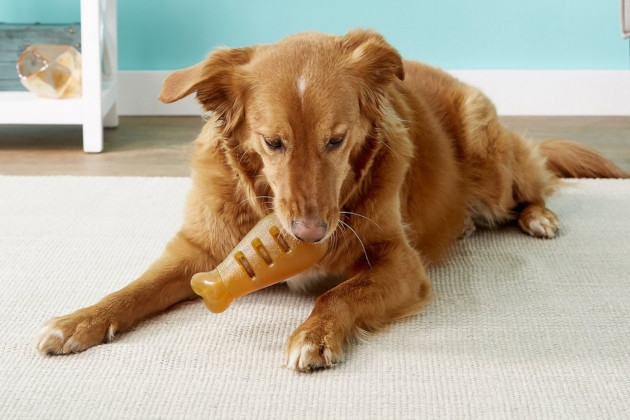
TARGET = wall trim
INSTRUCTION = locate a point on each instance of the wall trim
(514, 92)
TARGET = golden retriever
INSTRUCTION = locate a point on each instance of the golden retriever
(388, 160)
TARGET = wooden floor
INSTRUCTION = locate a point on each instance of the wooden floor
(160, 146)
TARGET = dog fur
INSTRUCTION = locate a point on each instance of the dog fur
(388, 160)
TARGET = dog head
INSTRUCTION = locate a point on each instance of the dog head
(307, 109)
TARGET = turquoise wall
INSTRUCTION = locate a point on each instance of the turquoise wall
(454, 34)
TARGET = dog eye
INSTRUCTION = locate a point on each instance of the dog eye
(335, 142)
(274, 143)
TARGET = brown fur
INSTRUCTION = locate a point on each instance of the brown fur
(388, 160)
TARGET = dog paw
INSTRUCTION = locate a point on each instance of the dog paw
(75, 332)
(312, 347)
(539, 222)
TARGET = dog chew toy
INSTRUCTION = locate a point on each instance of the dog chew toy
(265, 256)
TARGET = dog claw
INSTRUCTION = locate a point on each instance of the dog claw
(303, 355)
(539, 222)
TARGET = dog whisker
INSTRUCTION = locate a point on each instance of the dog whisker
(332, 241)
(362, 216)
(378, 139)
(341, 230)
(342, 223)
(388, 146)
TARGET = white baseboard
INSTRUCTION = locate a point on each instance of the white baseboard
(138, 93)
(514, 92)
(554, 92)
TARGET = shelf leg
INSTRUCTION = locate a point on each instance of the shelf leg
(92, 137)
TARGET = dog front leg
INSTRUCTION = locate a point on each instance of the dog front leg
(166, 282)
(394, 285)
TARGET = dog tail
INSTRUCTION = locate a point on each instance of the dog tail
(569, 159)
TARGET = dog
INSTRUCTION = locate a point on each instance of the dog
(389, 161)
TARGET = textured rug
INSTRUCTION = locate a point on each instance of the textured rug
(521, 327)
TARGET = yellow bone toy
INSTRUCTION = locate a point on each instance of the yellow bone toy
(264, 257)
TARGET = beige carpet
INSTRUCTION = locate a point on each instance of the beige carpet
(521, 328)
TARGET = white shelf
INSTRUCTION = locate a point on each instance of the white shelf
(27, 108)
(97, 106)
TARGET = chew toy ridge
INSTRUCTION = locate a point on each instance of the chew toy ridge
(265, 256)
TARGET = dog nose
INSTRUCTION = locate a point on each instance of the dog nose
(308, 230)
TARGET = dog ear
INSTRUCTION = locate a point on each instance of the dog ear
(217, 83)
(376, 64)
(370, 54)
